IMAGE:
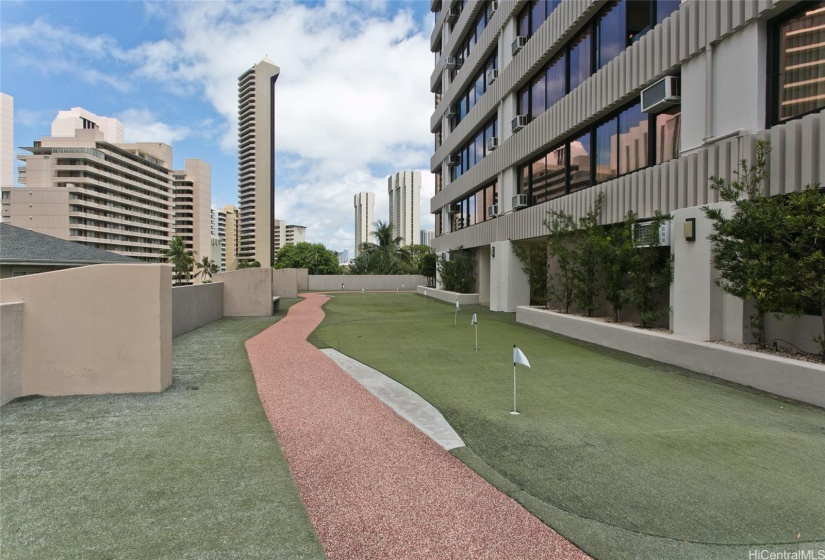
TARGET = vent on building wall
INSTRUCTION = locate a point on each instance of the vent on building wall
(492, 211)
(518, 44)
(661, 95)
(519, 201)
(492, 144)
(450, 112)
(453, 160)
(491, 9)
(491, 76)
(519, 122)
(452, 14)
(453, 209)
(644, 234)
(452, 63)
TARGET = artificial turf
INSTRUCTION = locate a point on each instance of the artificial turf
(626, 457)
(193, 472)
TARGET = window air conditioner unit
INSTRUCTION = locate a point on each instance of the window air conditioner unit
(491, 76)
(519, 122)
(492, 144)
(519, 201)
(450, 112)
(453, 160)
(453, 209)
(644, 235)
(452, 14)
(493, 210)
(661, 95)
(491, 9)
(518, 44)
(452, 63)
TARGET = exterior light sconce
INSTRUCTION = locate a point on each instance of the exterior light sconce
(690, 229)
(493, 252)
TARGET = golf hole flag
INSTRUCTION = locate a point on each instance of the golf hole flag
(474, 320)
(519, 357)
(457, 306)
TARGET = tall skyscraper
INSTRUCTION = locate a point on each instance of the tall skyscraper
(231, 235)
(192, 194)
(364, 203)
(6, 140)
(404, 189)
(256, 162)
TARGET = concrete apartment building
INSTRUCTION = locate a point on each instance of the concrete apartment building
(539, 106)
(256, 162)
(231, 236)
(76, 118)
(6, 140)
(218, 234)
(427, 236)
(364, 203)
(114, 197)
(404, 189)
(192, 197)
(286, 234)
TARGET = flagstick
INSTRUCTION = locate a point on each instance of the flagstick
(476, 335)
(514, 390)
(455, 319)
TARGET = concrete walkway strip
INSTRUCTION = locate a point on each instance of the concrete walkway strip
(404, 401)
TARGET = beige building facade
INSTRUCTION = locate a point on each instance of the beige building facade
(256, 162)
(192, 196)
(76, 118)
(404, 190)
(286, 234)
(231, 237)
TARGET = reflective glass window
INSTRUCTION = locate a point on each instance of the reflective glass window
(537, 15)
(538, 173)
(633, 141)
(801, 57)
(580, 153)
(611, 33)
(607, 165)
(668, 133)
(524, 179)
(666, 7)
(580, 67)
(537, 102)
(556, 81)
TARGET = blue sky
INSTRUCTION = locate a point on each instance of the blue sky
(352, 102)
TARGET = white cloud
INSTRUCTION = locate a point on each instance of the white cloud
(141, 125)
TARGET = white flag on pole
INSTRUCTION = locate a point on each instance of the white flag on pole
(362, 290)
(474, 320)
(519, 357)
(457, 307)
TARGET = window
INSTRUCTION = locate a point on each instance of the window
(799, 68)
(475, 209)
(580, 64)
(474, 150)
(668, 133)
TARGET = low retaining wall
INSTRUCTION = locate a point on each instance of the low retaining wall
(449, 297)
(246, 292)
(369, 282)
(285, 282)
(195, 306)
(11, 351)
(802, 381)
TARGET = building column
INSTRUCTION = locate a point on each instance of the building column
(509, 286)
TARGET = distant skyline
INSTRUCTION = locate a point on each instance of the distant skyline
(352, 106)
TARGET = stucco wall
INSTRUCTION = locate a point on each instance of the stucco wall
(370, 283)
(285, 282)
(195, 306)
(246, 292)
(449, 297)
(303, 279)
(95, 329)
(789, 378)
(11, 351)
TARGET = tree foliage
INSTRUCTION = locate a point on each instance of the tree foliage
(561, 244)
(181, 259)
(207, 268)
(316, 258)
(388, 256)
(589, 239)
(617, 255)
(533, 256)
(456, 270)
(247, 264)
(650, 272)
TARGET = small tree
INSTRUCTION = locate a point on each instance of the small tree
(316, 258)
(650, 273)
(181, 259)
(561, 244)
(589, 250)
(207, 268)
(617, 255)
(533, 257)
(428, 267)
(457, 271)
(247, 264)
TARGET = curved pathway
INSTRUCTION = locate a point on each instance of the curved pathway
(375, 486)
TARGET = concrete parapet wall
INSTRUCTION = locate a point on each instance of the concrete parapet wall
(449, 297)
(246, 292)
(11, 351)
(369, 282)
(802, 381)
(285, 282)
(303, 279)
(95, 329)
(195, 306)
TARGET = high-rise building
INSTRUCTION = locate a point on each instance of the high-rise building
(256, 162)
(6, 140)
(545, 105)
(192, 194)
(404, 189)
(364, 203)
(67, 122)
(286, 234)
(427, 236)
(218, 231)
(232, 222)
(115, 197)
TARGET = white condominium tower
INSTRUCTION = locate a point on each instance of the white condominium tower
(364, 203)
(256, 162)
(404, 189)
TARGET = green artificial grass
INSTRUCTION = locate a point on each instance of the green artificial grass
(627, 457)
(193, 472)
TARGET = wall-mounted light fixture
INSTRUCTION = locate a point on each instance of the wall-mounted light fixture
(493, 252)
(690, 229)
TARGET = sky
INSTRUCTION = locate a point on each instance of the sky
(352, 100)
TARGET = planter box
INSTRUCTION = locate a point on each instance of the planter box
(802, 381)
(449, 297)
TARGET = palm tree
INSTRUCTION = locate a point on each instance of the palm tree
(387, 256)
(181, 259)
(207, 268)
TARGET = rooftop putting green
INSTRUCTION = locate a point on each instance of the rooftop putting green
(624, 456)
